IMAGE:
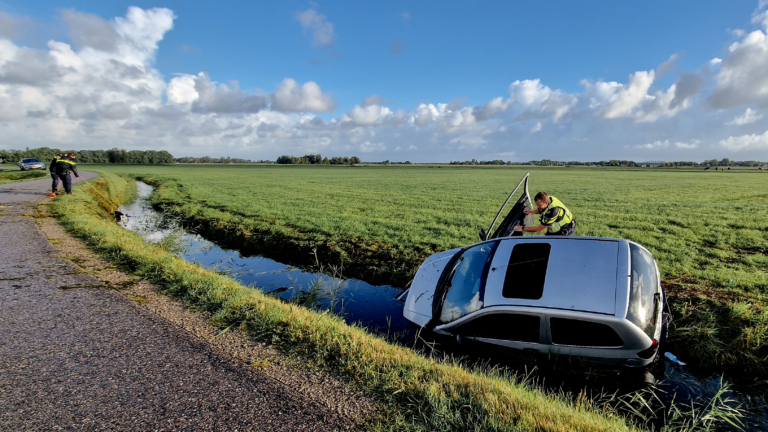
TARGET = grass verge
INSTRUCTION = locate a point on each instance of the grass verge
(419, 393)
(14, 176)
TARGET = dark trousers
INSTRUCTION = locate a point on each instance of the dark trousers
(67, 181)
(55, 183)
(566, 230)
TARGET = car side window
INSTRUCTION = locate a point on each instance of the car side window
(464, 294)
(527, 271)
(504, 326)
(583, 333)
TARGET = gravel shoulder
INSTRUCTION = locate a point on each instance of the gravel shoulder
(88, 347)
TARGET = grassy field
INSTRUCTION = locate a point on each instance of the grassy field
(708, 230)
(417, 393)
(15, 175)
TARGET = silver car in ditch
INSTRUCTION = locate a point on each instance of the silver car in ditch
(592, 297)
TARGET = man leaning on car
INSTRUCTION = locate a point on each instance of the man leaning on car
(555, 217)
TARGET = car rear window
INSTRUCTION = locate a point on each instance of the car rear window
(504, 326)
(644, 296)
(583, 333)
(526, 271)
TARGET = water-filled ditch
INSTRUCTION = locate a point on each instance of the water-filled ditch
(376, 308)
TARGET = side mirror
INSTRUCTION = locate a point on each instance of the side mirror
(482, 234)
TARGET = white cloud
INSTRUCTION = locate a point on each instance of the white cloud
(368, 147)
(181, 89)
(746, 142)
(322, 30)
(689, 145)
(375, 100)
(367, 115)
(749, 116)
(536, 128)
(623, 98)
(654, 145)
(290, 97)
(223, 98)
(742, 78)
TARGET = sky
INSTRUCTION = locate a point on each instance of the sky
(418, 81)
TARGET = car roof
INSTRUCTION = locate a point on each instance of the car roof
(581, 274)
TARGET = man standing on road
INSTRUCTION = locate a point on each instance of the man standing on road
(54, 177)
(555, 216)
(64, 165)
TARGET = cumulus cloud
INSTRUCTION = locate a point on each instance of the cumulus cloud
(368, 147)
(313, 22)
(749, 116)
(621, 99)
(289, 96)
(222, 98)
(654, 145)
(668, 65)
(89, 30)
(742, 78)
(688, 145)
(103, 88)
(746, 142)
(367, 115)
(375, 100)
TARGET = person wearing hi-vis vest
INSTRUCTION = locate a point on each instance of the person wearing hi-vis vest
(555, 216)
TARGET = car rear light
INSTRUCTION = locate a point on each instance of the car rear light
(648, 353)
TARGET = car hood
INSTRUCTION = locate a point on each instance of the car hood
(418, 304)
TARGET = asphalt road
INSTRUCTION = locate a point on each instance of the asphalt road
(77, 356)
(35, 190)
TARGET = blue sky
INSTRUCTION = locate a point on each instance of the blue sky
(444, 81)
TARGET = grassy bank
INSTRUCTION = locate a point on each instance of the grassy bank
(14, 176)
(707, 230)
(419, 393)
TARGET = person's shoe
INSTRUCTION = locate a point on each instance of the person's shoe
(51, 195)
(72, 194)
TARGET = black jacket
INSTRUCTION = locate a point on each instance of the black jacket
(52, 166)
(66, 164)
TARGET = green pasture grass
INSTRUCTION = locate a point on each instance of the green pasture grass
(14, 176)
(417, 392)
(707, 230)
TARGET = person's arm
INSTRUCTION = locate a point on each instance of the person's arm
(534, 229)
(74, 170)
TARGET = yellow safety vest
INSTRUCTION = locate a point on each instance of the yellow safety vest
(561, 218)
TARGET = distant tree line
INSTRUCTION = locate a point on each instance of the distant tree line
(728, 162)
(476, 162)
(221, 160)
(115, 156)
(317, 159)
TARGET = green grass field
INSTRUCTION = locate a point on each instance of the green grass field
(413, 392)
(707, 230)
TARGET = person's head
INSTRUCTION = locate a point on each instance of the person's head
(71, 155)
(542, 200)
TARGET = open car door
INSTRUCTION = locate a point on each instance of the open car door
(514, 217)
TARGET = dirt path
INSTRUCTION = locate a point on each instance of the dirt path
(78, 355)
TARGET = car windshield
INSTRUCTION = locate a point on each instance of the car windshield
(643, 291)
(30, 160)
(464, 294)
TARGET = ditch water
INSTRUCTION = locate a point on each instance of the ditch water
(375, 308)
